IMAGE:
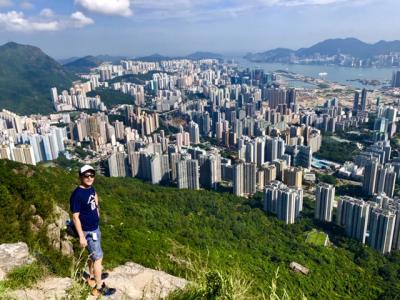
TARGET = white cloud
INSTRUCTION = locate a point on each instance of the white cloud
(46, 21)
(46, 13)
(107, 7)
(16, 21)
(309, 2)
(6, 3)
(26, 5)
(80, 20)
(208, 9)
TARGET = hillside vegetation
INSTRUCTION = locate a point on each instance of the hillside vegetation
(167, 228)
(26, 77)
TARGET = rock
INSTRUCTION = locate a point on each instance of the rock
(12, 256)
(50, 288)
(131, 280)
(33, 227)
(134, 281)
(54, 235)
(61, 217)
(54, 232)
(37, 221)
(66, 248)
(32, 209)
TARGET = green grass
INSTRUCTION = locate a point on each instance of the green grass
(25, 276)
(316, 238)
(151, 225)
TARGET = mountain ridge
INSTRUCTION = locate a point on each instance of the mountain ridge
(26, 76)
(330, 47)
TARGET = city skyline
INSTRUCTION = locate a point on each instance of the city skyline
(147, 27)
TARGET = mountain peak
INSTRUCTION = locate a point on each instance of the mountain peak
(31, 72)
(350, 46)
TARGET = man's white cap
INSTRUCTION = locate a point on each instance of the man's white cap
(86, 168)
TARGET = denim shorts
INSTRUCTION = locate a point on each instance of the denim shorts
(94, 246)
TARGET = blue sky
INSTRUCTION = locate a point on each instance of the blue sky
(65, 28)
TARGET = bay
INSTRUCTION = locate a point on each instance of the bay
(333, 73)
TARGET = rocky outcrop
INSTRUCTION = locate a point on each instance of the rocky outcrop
(12, 256)
(134, 281)
(36, 223)
(54, 233)
(50, 288)
(131, 280)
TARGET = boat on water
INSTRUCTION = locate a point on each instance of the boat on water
(323, 74)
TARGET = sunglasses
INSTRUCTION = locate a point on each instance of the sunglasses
(89, 176)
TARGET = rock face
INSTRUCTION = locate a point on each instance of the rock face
(134, 281)
(51, 288)
(12, 256)
(54, 235)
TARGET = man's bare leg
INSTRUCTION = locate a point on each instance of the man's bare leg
(98, 268)
(91, 269)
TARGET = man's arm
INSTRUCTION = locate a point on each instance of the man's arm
(97, 204)
(78, 226)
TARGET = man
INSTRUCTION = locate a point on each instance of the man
(84, 205)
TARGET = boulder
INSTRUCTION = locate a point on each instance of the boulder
(134, 281)
(50, 288)
(37, 221)
(61, 217)
(32, 209)
(131, 280)
(54, 230)
(12, 256)
(66, 248)
(54, 236)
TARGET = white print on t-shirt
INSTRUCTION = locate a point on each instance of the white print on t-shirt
(92, 202)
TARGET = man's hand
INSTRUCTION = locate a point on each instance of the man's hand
(82, 242)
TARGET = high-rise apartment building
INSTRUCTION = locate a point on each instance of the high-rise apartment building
(244, 179)
(285, 202)
(353, 215)
(293, 177)
(324, 196)
(117, 164)
(364, 99)
(276, 96)
(381, 229)
(194, 133)
(188, 174)
(396, 79)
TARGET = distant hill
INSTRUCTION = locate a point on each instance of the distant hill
(82, 65)
(153, 58)
(26, 76)
(203, 55)
(193, 56)
(67, 60)
(348, 46)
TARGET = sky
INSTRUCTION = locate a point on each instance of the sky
(68, 28)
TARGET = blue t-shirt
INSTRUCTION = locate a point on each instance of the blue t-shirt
(83, 201)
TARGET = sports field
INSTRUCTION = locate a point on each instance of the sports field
(317, 238)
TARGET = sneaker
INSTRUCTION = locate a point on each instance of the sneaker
(86, 275)
(91, 281)
(103, 291)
